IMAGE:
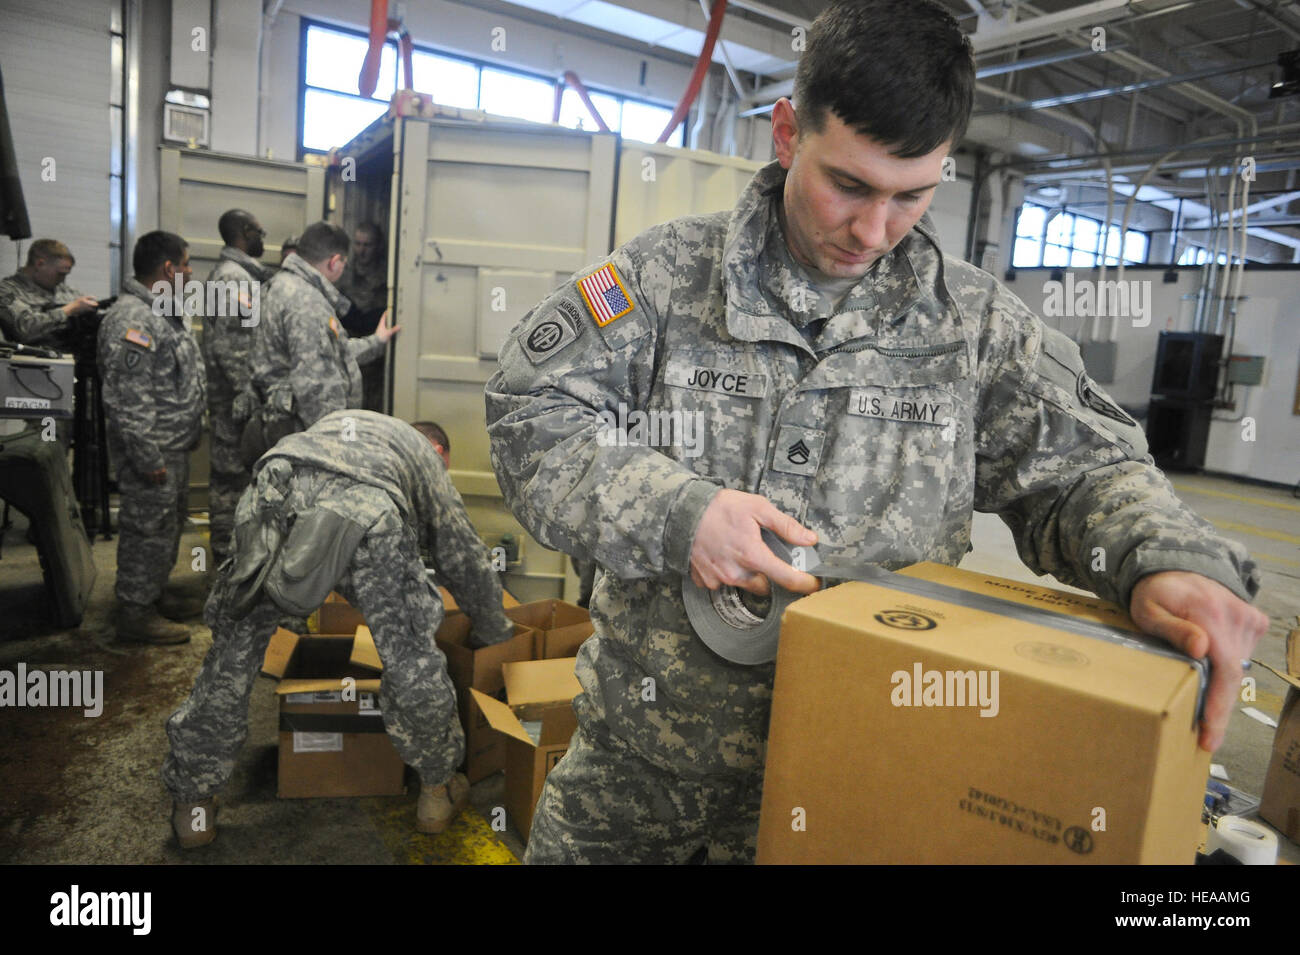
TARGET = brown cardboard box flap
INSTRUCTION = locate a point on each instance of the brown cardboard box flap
(318, 686)
(1291, 677)
(278, 652)
(541, 681)
(364, 652)
(501, 718)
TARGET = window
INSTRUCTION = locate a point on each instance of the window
(1065, 239)
(1198, 255)
(333, 111)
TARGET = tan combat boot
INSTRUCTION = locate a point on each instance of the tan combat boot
(439, 804)
(139, 624)
(195, 823)
(178, 608)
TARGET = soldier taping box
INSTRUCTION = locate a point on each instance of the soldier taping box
(535, 723)
(910, 729)
(332, 736)
(1280, 803)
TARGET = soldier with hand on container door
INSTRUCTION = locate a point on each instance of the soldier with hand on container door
(365, 284)
(227, 344)
(363, 494)
(855, 389)
(154, 396)
(304, 364)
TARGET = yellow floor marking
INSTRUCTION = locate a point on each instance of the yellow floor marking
(468, 841)
(1247, 498)
(1257, 531)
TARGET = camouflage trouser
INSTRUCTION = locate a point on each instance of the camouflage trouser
(603, 803)
(227, 481)
(149, 524)
(387, 583)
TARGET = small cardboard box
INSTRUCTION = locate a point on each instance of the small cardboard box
(561, 627)
(332, 736)
(539, 692)
(1280, 803)
(471, 669)
(909, 729)
(336, 615)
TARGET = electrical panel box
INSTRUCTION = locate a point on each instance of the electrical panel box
(1245, 369)
(1099, 360)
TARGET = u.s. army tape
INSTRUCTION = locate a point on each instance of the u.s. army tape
(735, 627)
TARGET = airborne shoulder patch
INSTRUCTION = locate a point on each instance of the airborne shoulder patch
(137, 337)
(606, 296)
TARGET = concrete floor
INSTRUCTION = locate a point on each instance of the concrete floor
(87, 790)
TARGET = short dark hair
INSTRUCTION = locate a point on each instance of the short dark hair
(46, 249)
(434, 433)
(320, 240)
(232, 224)
(898, 71)
(153, 249)
(372, 229)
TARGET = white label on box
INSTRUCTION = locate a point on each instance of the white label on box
(319, 696)
(368, 705)
(317, 742)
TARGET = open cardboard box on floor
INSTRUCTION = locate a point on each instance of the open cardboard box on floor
(332, 737)
(481, 669)
(561, 627)
(540, 693)
(1280, 803)
(910, 729)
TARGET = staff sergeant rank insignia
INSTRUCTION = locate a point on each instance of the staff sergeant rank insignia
(605, 295)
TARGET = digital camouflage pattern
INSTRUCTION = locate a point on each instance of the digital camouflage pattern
(304, 363)
(384, 474)
(30, 315)
(154, 394)
(227, 347)
(881, 424)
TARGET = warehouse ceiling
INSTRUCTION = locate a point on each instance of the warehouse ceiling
(1062, 83)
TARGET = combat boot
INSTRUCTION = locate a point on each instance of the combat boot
(178, 608)
(439, 804)
(142, 624)
(195, 823)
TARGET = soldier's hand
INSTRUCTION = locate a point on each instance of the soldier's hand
(1202, 618)
(729, 548)
(79, 306)
(386, 329)
(157, 477)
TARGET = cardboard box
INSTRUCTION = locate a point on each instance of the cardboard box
(481, 669)
(561, 627)
(332, 737)
(336, 615)
(1280, 803)
(907, 729)
(539, 692)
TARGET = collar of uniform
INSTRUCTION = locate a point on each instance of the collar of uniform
(30, 284)
(298, 266)
(249, 264)
(131, 286)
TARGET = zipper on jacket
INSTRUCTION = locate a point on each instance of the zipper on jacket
(914, 351)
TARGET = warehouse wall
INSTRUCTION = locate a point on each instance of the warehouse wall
(57, 84)
(1266, 326)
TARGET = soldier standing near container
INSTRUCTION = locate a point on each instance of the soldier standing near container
(36, 302)
(304, 364)
(236, 284)
(365, 284)
(856, 390)
(154, 395)
(381, 485)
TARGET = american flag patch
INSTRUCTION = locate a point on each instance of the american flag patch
(605, 295)
(138, 338)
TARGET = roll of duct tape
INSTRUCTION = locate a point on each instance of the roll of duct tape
(736, 625)
(1247, 841)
